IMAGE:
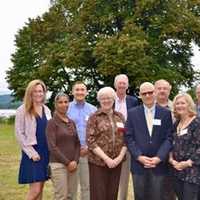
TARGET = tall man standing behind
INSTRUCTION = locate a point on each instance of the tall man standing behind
(122, 104)
(162, 92)
(79, 111)
(148, 138)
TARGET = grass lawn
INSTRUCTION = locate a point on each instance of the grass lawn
(9, 165)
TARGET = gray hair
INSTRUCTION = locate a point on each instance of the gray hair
(106, 91)
(145, 85)
(120, 76)
(60, 94)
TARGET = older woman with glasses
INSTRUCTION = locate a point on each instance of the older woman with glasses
(64, 148)
(185, 155)
(106, 146)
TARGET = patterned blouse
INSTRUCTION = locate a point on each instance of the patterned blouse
(102, 131)
(186, 145)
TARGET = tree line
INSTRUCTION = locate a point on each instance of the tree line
(93, 40)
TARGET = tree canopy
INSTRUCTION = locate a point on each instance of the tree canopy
(94, 40)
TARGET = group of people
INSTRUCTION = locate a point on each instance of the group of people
(157, 140)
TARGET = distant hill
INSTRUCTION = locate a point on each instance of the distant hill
(7, 102)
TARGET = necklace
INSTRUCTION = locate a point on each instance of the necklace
(183, 124)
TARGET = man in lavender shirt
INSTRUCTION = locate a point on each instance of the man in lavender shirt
(79, 111)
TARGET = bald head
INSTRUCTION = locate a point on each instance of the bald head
(147, 94)
(146, 86)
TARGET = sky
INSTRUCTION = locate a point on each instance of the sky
(13, 16)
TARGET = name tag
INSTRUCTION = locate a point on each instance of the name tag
(183, 132)
(86, 118)
(48, 116)
(157, 122)
(120, 125)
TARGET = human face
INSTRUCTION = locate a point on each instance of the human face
(79, 92)
(38, 94)
(181, 107)
(162, 90)
(121, 86)
(147, 95)
(62, 105)
(106, 102)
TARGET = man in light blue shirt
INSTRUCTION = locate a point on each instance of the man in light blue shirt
(79, 111)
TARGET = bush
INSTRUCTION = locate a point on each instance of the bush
(7, 120)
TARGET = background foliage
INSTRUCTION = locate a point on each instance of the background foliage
(93, 40)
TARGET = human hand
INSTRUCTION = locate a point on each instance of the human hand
(110, 162)
(83, 151)
(35, 158)
(72, 166)
(118, 160)
(173, 162)
(183, 165)
(146, 161)
(155, 160)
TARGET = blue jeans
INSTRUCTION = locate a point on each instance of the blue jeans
(148, 186)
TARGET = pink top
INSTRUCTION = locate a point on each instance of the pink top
(25, 130)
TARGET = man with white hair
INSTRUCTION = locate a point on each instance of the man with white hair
(149, 140)
(123, 103)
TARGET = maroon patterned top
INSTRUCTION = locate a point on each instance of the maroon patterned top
(104, 132)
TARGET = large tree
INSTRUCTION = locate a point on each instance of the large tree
(93, 40)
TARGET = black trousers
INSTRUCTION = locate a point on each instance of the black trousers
(169, 193)
(104, 182)
(148, 186)
(185, 191)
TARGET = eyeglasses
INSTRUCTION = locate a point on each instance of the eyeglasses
(106, 99)
(147, 93)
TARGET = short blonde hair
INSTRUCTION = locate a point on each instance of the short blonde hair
(189, 100)
(106, 91)
(28, 100)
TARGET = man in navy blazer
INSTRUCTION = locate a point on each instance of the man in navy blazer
(123, 103)
(149, 140)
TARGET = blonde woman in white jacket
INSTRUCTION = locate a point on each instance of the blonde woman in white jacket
(30, 124)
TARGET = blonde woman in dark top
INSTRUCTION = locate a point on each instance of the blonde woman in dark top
(185, 155)
(64, 148)
(106, 146)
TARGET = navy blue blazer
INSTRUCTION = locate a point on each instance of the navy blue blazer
(139, 141)
(131, 102)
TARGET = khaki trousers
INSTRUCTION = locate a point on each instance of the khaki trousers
(64, 182)
(83, 178)
(124, 178)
